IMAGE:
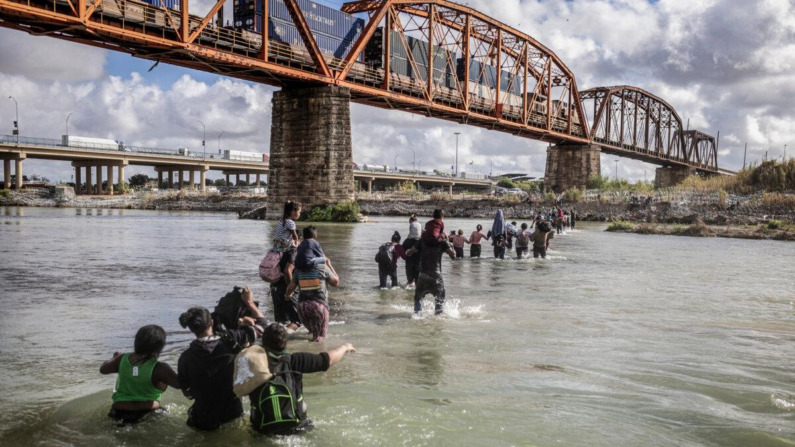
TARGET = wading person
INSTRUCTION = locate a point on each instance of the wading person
(141, 377)
(434, 229)
(498, 235)
(522, 242)
(285, 391)
(206, 368)
(387, 259)
(474, 240)
(430, 280)
(412, 262)
(458, 241)
(541, 238)
(285, 308)
(312, 285)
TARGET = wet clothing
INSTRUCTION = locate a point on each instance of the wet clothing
(134, 382)
(430, 280)
(385, 272)
(313, 300)
(284, 311)
(540, 251)
(521, 252)
(314, 316)
(459, 252)
(413, 261)
(474, 251)
(499, 252)
(205, 370)
(127, 416)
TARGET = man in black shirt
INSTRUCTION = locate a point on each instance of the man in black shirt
(430, 279)
(205, 369)
(274, 340)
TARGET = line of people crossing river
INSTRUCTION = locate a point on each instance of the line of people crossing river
(237, 353)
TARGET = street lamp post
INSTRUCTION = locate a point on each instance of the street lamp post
(414, 163)
(456, 153)
(67, 124)
(204, 140)
(16, 123)
(419, 164)
(219, 141)
(491, 170)
(452, 165)
(616, 171)
(395, 166)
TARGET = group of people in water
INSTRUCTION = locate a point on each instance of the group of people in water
(236, 352)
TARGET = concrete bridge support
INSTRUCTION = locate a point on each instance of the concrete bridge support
(17, 158)
(89, 166)
(668, 177)
(311, 153)
(570, 166)
(180, 170)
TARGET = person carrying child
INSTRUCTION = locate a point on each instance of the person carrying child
(312, 284)
(141, 379)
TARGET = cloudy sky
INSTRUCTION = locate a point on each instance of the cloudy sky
(726, 65)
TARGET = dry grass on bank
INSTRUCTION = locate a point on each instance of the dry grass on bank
(771, 176)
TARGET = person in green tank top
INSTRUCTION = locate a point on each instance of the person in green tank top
(141, 378)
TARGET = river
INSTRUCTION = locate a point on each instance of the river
(616, 340)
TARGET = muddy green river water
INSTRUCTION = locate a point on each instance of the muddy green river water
(615, 340)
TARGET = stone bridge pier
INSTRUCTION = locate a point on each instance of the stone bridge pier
(311, 153)
(670, 176)
(570, 166)
(17, 158)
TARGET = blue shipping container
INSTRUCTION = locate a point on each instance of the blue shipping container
(320, 18)
(487, 75)
(170, 4)
(286, 33)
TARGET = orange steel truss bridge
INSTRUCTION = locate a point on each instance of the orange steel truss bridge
(545, 105)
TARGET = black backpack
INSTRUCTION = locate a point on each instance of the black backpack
(229, 309)
(276, 405)
(385, 255)
(544, 226)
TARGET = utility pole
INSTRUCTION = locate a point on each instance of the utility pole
(395, 167)
(219, 142)
(785, 153)
(16, 123)
(745, 155)
(67, 124)
(491, 170)
(204, 141)
(456, 153)
(616, 171)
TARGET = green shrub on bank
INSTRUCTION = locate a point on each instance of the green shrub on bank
(621, 225)
(604, 184)
(347, 211)
(5, 193)
(573, 195)
(505, 182)
(775, 224)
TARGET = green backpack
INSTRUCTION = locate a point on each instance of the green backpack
(276, 406)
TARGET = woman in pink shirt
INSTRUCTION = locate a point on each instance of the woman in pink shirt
(474, 240)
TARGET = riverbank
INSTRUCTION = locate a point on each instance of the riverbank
(665, 207)
(774, 230)
(144, 200)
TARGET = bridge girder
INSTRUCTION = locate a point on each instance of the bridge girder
(630, 119)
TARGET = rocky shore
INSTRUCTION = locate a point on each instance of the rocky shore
(163, 200)
(679, 207)
(769, 231)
